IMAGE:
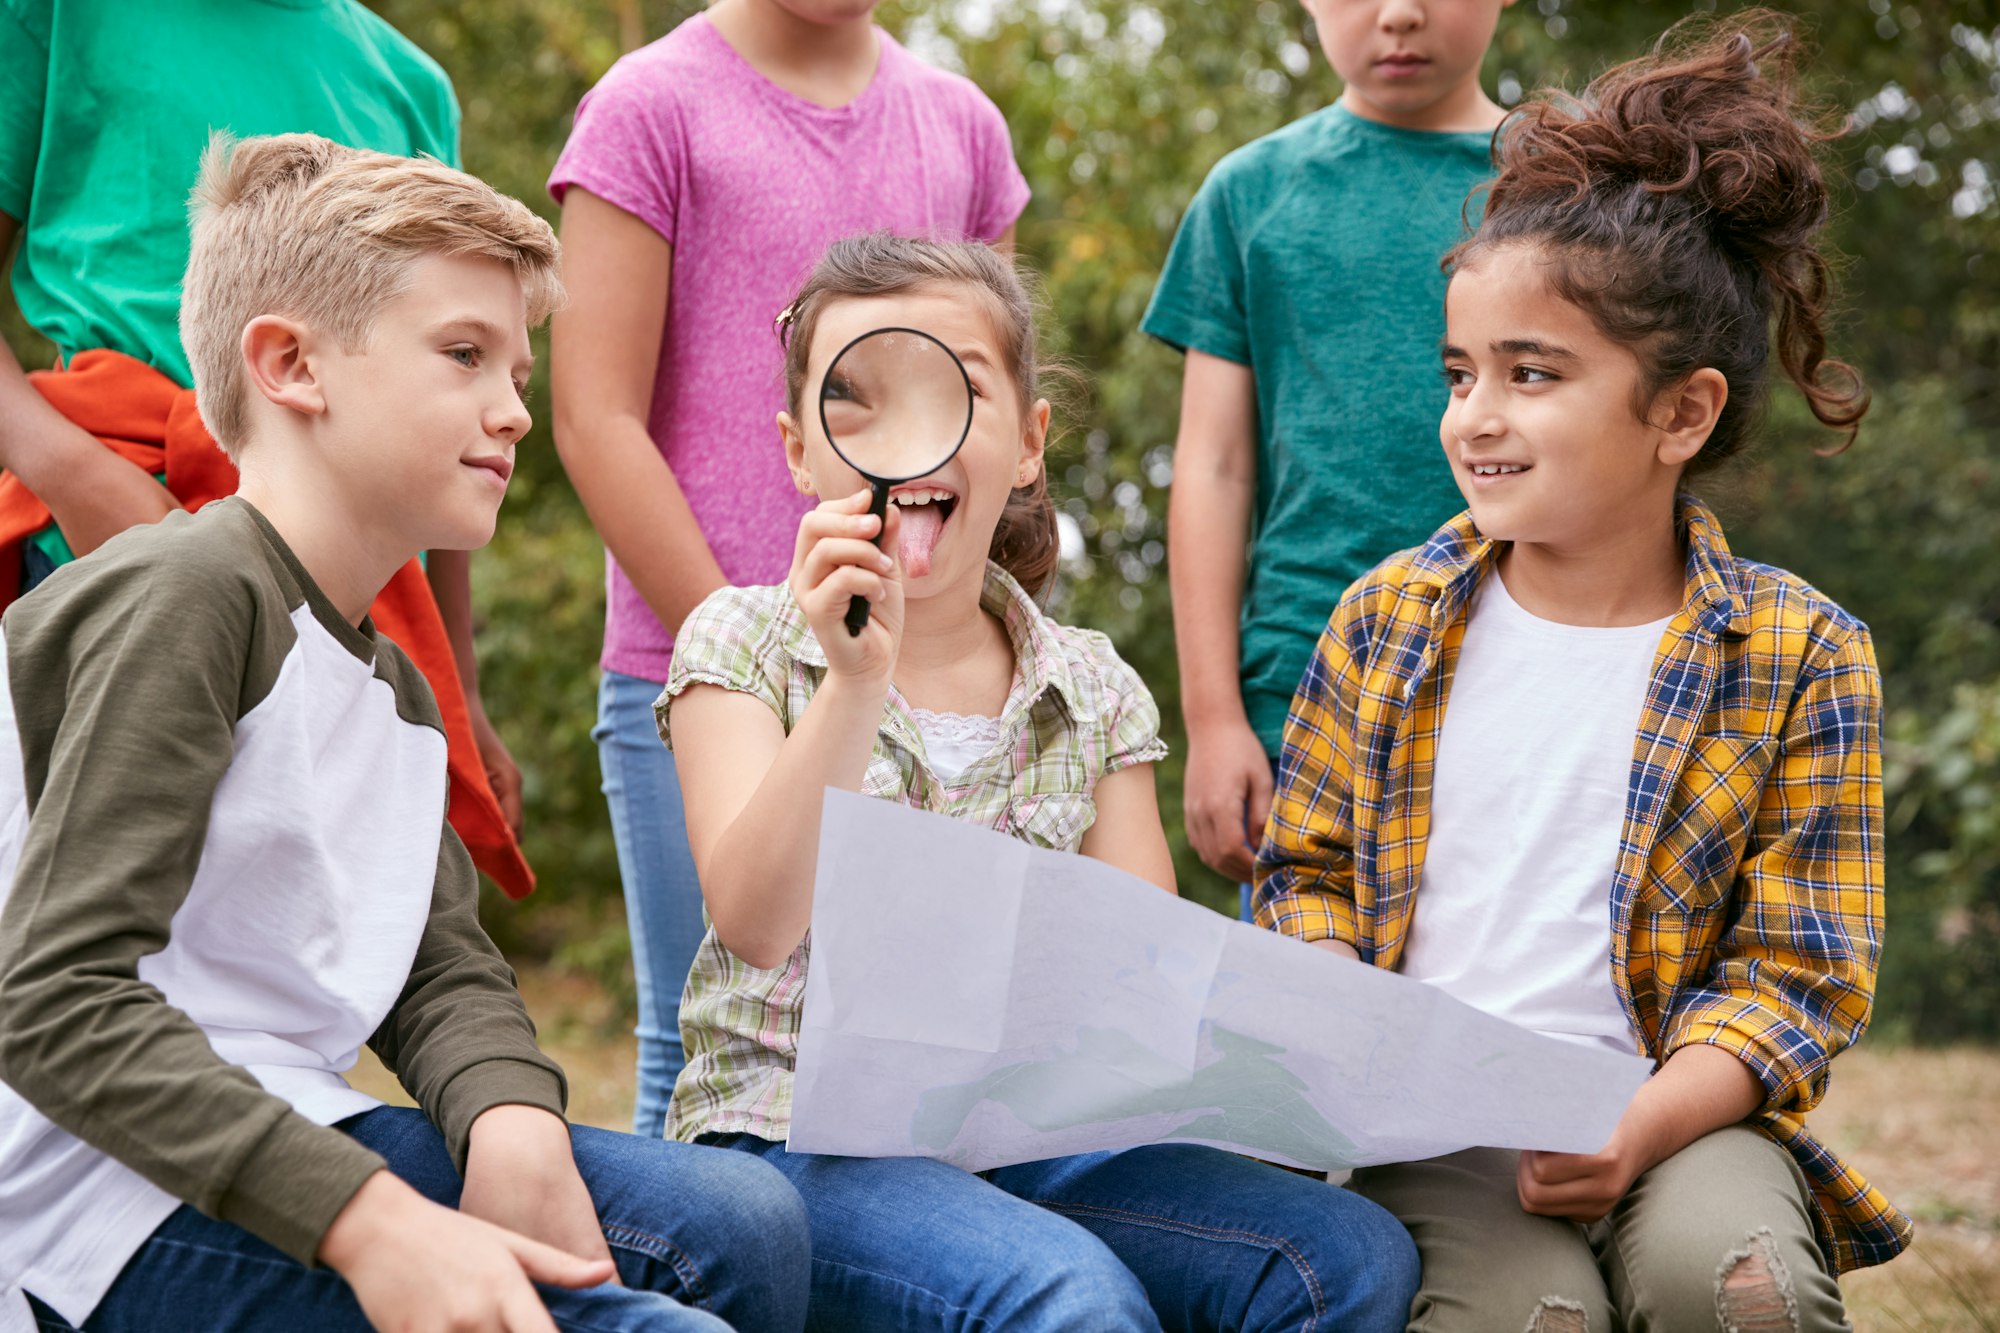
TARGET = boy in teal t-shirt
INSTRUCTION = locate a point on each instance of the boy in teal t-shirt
(1304, 287)
(104, 111)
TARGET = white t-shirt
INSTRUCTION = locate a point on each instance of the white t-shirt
(1534, 759)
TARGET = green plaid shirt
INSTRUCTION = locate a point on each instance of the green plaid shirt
(1076, 713)
(1746, 908)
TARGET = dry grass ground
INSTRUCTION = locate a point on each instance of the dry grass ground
(1924, 1125)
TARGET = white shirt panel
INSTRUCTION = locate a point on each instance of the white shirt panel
(1534, 760)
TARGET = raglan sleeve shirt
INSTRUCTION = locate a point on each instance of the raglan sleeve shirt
(1793, 977)
(121, 761)
(459, 1039)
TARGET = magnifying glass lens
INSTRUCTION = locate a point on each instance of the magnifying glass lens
(895, 404)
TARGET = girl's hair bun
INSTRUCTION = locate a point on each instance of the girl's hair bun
(1680, 197)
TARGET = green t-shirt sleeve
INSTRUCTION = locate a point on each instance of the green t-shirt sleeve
(24, 54)
(1199, 303)
(445, 123)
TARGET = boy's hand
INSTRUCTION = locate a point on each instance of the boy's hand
(521, 1175)
(416, 1266)
(1227, 796)
(836, 559)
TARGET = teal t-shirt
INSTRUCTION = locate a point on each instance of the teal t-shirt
(1311, 256)
(106, 106)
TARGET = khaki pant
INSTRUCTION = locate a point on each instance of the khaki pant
(1716, 1237)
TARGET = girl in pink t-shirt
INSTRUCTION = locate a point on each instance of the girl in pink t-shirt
(705, 174)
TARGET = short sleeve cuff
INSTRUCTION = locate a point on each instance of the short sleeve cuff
(1308, 918)
(1007, 210)
(1188, 332)
(730, 641)
(619, 193)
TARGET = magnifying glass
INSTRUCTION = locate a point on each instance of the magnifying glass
(896, 404)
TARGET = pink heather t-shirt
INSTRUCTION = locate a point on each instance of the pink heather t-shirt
(750, 184)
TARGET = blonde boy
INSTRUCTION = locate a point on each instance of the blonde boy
(1304, 288)
(223, 833)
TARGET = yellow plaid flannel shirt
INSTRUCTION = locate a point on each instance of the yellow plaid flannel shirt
(1746, 908)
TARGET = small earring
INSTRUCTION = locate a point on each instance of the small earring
(806, 486)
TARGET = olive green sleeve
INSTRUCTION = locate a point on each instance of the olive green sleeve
(459, 1038)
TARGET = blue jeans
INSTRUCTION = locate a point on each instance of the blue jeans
(662, 895)
(1168, 1237)
(702, 1246)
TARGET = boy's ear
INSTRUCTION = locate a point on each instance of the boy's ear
(1034, 444)
(277, 358)
(1685, 414)
(795, 453)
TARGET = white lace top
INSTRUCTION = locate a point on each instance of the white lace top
(954, 742)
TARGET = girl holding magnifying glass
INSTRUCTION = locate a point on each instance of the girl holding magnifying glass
(960, 696)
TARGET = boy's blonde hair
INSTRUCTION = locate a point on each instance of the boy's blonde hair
(300, 226)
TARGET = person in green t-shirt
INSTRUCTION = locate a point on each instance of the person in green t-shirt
(1304, 287)
(104, 112)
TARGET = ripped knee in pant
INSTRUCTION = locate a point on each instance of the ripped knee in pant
(1753, 1289)
(1553, 1314)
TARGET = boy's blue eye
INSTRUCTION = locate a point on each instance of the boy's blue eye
(465, 356)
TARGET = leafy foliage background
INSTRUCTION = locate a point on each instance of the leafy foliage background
(1118, 110)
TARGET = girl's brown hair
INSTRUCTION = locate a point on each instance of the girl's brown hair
(1677, 202)
(881, 263)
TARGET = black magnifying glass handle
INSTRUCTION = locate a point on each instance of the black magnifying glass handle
(857, 607)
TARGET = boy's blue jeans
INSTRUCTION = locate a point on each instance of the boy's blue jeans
(662, 895)
(705, 1241)
(1168, 1237)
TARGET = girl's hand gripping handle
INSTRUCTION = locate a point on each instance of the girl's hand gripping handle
(857, 607)
(837, 563)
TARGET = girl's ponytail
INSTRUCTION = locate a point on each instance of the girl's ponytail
(1678, 201)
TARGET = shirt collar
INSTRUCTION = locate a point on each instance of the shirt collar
(1457, 556)
(1039, 662)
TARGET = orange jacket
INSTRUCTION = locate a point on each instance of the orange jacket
(147, 419)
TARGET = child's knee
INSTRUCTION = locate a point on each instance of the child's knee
(761, 1206)
(1083, 1287)
(1748, 1288)
(1368, 1264)
(1753, 1292)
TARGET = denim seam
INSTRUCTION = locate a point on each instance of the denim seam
(661, 1249)
(1282, 1246)
(903, 1282)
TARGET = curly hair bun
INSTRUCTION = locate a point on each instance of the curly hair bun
(1680, 198)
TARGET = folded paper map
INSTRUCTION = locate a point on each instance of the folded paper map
(982, 1001)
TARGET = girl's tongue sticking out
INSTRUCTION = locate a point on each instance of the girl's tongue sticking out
(922, 522)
